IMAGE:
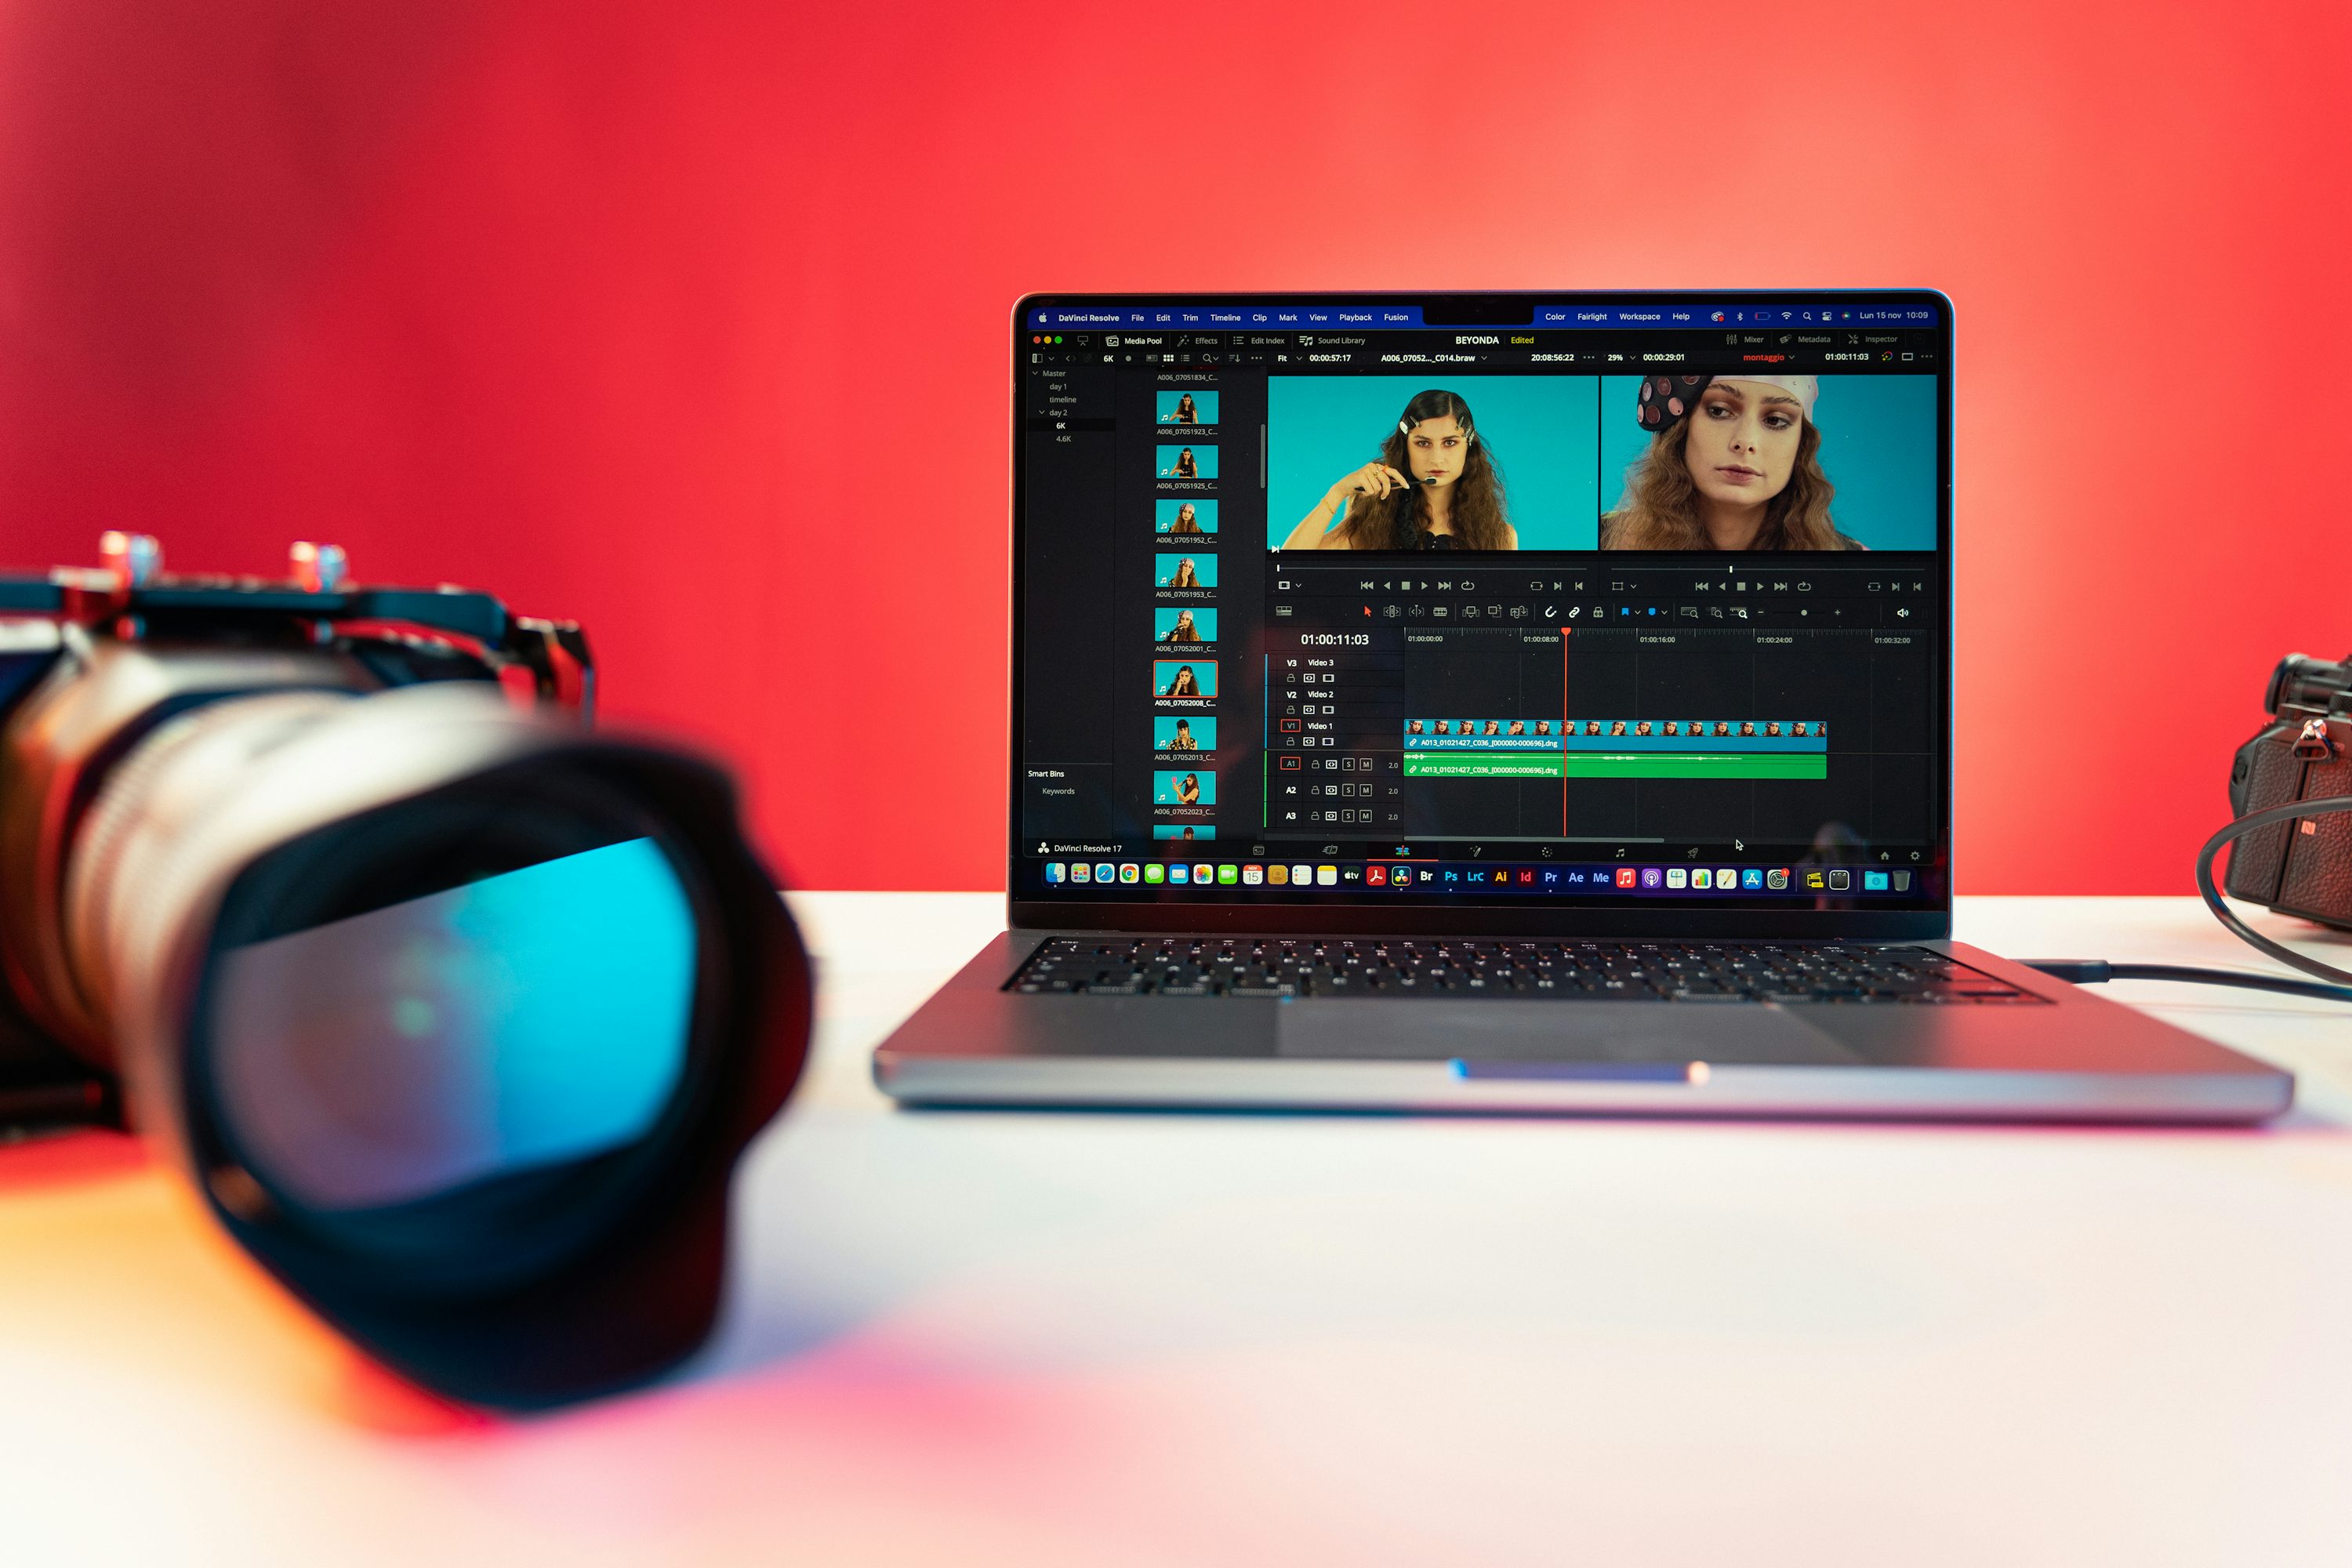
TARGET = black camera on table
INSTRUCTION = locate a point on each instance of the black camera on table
(2303, 867)
(455, 1013)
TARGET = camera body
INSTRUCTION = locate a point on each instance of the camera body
(2301, 867)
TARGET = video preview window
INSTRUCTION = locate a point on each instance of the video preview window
(1769, 462)
(1512, 462)
(1495, 462)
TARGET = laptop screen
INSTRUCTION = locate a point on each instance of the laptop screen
(1503, 599)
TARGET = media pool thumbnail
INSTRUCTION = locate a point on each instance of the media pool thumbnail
(1184, 626)
(1173, 571)
(1184, 677)
(1183, 786)
(1184, 832)
(1184, 517)
(1180, 734)
(1194, 462)
(1187, 406)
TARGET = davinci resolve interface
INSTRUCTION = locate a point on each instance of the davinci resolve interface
(1243, 679)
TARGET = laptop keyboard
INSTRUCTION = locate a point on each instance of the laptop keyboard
(1456, 969)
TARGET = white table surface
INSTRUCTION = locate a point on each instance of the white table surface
(1044, 1338)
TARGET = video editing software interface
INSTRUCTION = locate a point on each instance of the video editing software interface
(1489, 599)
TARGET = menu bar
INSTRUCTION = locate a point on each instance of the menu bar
(1410, 317)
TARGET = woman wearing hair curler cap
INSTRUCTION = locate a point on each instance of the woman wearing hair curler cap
(1186, 575)
(1732, 465)
(1434, 486)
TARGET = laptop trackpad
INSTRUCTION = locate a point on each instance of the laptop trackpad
(1412, 1029)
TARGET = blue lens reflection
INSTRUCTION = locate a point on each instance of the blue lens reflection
(526, 1019)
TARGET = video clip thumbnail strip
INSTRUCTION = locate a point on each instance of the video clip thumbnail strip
(1617, 734)
(1616, 749)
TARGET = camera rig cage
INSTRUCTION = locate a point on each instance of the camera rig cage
(405, 635)
(402, 635)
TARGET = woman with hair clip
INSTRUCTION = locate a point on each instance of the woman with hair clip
(1183, 684)
(1184, 521)
(1186, 575)
(1187, 467)
(1434, 486)
(1732, 465)
(1184, 630)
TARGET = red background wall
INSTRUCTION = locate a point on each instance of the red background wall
(690, 321)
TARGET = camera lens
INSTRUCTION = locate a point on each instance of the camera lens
(429, 1032)
(535, 1015)
(458, 1015)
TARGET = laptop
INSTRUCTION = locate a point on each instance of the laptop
(1501, 703)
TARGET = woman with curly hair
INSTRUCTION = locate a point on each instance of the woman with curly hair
(1434, 486)
(1733, 464)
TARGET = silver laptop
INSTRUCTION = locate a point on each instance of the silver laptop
(1501, 702)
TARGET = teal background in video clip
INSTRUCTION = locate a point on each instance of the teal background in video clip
(1878, 448)
(1204, 405)
(1164, 512)
(1164, 782)
(1539, 430)
(1204, 623)
(1205, 459)
(1203, 730)
(1204, 567)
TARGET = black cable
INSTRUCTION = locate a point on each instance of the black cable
(2098, 971)
(2268, 817)
(2094, 972)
